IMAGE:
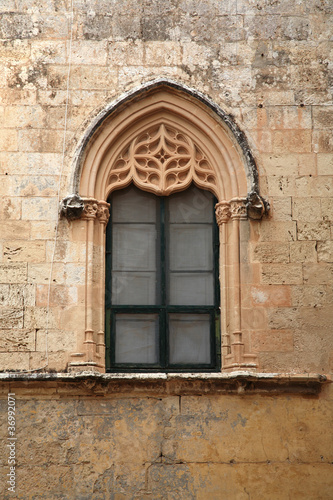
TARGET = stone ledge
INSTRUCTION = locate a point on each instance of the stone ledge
(181, 384)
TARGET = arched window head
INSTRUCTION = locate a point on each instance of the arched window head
(162, 144)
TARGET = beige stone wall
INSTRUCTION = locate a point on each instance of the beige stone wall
(131, 446)
(268, 63)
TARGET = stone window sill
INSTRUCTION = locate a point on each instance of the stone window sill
(162, 384)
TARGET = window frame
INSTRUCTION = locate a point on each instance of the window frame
(163, 310)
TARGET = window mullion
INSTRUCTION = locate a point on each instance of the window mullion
(163, 284)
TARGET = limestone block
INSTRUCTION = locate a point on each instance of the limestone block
(271, 296)
(39, 209)
(272, 340)
(41, 140)
(13, 273)
(34, 163)
(41, 317)
(325, 163)
(49, 51)
(30, 251)
(281, 208)
(254, 318)
(322, 117)
(10, 208)
(327, 208)
(241, 480)
(13, 339)
(281, 185)
(320, 273)
(279, 274)
(95, 26)
(307, 164)
(8, 140)
(303, 251)
(322, 141)
(293, 141)
(306, 209)
(16, 49)
(89, 52)
(55, 361)
(311, 295)
(57, 340)
(280, 164)
(68, 251)
(277, 231)
(11, 318)
(76, 115)
(57, 295)
(39, 273)
(313, 230)
(314, 186)
(271, 252)
(23, 185)
(17, 295)
(17, 96)
(43, 230)
(195, 54)
(82, 77)
(283, 318)
(325, 251)
(291, 117)
(14, 361)
(24, 116)
(162, 53)
(17, 26)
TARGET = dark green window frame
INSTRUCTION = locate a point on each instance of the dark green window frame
(163, 310)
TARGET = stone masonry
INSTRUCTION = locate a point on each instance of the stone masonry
(268, 65)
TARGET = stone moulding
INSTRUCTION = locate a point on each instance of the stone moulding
(165, 384)
(162, 140)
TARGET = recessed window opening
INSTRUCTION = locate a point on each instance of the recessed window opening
(162, 294)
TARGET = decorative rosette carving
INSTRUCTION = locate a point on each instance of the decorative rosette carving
(162, 160)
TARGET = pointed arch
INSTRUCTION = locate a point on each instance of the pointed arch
(162, 137)
(229, 167)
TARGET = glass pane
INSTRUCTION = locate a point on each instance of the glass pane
(136, 338)
(196, 289)
(133, 288)
(133, 205)
(189, 339)
(191, 247)
(134, 247)
(192, 205)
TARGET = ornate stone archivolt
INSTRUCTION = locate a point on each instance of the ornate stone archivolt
(162, 160)
(163, 142)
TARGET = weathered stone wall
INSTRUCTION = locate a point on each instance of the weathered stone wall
(74, 445)
(268, 63)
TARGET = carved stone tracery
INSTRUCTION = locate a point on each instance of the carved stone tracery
(144, 146)
(162, 160)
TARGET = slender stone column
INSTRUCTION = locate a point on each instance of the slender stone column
(102, 217)
(89, 215)
(222, 212)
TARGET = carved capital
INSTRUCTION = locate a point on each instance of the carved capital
(90, 208)
(238, 208)
(222, 212)
(103, 212)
